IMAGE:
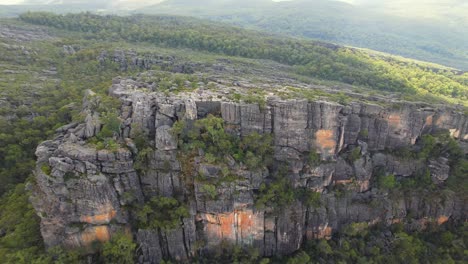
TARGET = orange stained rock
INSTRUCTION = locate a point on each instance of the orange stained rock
(442, 219)
(226, 222)
(429, 121)
(227, 225)
(245, 220)
(325, 139)
(97, 233)
(324, 232)
(441, 120)
(100, 218)
(102, 233)
(344, 182)
(394, 119)
(211, 218)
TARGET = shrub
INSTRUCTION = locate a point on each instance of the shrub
(299, 258)
(142, 159)
(209, 190)
(107, 143)
(278, 193)
(364, 133)
(252, 98)
(310, 198)
(208, 134)
(120, 249)
(314, 158)
(46, 169)
(354, 155)
(161, 212)
(356, 229)
(139, 137)
(257, 150)
(428, 142)
(210, 158)
(387, 182)
(111, 125)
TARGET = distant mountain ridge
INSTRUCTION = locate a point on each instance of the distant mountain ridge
(428, 30)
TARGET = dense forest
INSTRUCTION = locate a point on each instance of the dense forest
(41, 90)
(360, 24)
(430, 31)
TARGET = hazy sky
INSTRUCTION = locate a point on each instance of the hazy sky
(15, 2)
(10, 2)
(425, 4)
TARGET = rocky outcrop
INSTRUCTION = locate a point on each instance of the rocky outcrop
(84, 195)
(131, 60)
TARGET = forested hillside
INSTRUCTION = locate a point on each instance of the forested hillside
(371, 25)
(426, 30)
(314, 59)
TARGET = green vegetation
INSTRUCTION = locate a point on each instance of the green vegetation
(120, 249)
(364, 133)
(161, 213)
(387, 182)
(314, 158)
(429, 147)
(423, 30)
(208, 134)
(421, 181)
(106, 107)
(41, 90)
(111, 125)
(310, 58)
(354, 155)
(276, 194)
(33, 104)
(299, 258)
(309, 198)
(46, 169)
(254, 96)
(22, 241)
(210, 190)
(360, 244)
(173, 82)
(226, 252)
(142, 159)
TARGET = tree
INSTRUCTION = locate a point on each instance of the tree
(120, 249)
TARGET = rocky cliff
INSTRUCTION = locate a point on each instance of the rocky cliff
(85, 194)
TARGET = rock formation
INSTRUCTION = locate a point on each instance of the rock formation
(84, 195)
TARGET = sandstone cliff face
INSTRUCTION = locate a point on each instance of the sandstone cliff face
(83, 195)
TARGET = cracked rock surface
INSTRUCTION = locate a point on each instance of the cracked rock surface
(84, 195)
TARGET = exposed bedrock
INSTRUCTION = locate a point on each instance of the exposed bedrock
(84, 195)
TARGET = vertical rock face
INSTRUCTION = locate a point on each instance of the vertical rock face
(83, 195)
